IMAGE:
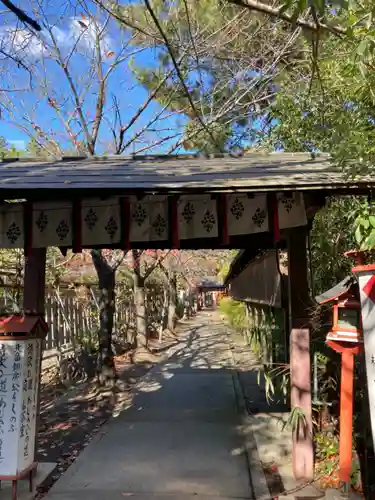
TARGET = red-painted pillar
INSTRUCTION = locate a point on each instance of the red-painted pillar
(299, 302)
(346, 417)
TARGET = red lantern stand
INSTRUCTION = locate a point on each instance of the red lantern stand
(346, 339)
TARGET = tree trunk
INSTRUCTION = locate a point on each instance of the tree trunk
(187, 305)
(172, 303)
(164, 315)
(140, 311)
(107, 279)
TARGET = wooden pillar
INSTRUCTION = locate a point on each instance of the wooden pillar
(34, 301)
(35, 281)
(346, 418)
(299, 301)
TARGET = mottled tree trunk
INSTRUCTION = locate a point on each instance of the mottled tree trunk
(107, 280)
(172, 302)
(187, 306)
(164, 316)
(140, 311)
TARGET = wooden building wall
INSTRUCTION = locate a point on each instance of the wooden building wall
(260, 282)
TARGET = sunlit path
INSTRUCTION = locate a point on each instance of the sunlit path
(179, 439)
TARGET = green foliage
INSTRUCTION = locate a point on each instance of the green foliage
(34, 149)
(223, 266)
(8, 151)
(332, 234)
(235, 312)
(297, 421)
(266, 338)
(227, 62)
(330, 110)
(364, 227)
(326, 445)
(87, 340)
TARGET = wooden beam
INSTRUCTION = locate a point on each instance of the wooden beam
(125, 222)
(273, 216)
(299, 302)
(222, 219)
(28, 227)
(174, 235)
(77, 226)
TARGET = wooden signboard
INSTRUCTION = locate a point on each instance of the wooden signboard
(366, 278)
(21, 339)
(19, 383)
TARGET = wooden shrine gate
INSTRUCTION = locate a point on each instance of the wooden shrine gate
(252, 202)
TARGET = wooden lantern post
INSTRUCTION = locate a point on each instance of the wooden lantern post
(20, 353)
(345, 338)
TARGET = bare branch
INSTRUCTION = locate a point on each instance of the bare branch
(179, 74)
(274, 12)
(74, 91)
(159, 260)
(156, 143)
(22, 16)
(101, 92)
(122, 20)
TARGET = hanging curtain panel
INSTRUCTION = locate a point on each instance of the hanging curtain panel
(197, 217)
(292, 211)
(247, 214)
(11, 226)
(100, 220)
(52, 225)
(148, 218)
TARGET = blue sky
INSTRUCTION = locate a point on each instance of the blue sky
(32, 108)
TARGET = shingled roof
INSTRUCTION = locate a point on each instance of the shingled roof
(250, 172)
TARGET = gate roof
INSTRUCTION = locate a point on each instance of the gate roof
(251, 172)
(184, 201)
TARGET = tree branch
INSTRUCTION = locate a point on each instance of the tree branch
(179, 74)
(159, 260)
(77, 101)
(141, 109)
(101, 92)
(116, 263)
(22, 16)
(274, 12)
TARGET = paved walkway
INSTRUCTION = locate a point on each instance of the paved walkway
(180, 437)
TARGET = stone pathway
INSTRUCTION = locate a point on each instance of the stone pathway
(178, 438)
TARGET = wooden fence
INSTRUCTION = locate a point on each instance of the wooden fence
(71, 315)
(71, 318)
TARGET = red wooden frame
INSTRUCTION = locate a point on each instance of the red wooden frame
(28, 472)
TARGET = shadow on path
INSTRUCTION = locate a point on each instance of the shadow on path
(178, 434)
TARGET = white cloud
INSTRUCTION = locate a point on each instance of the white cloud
(80, 34)
(19, 42)
(87, 31)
